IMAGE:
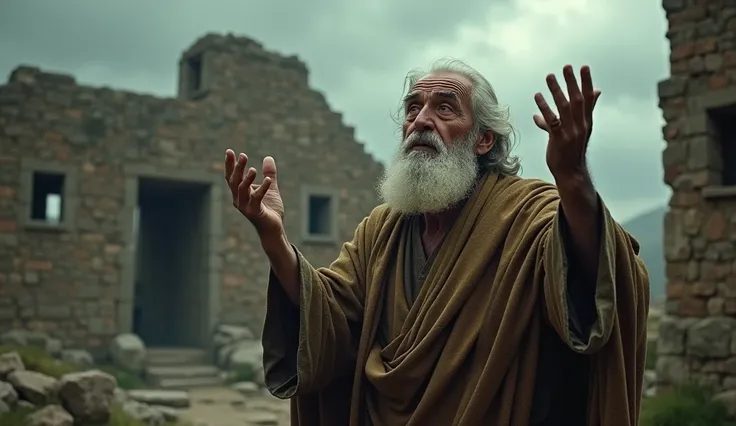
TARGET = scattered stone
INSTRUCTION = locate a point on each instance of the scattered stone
(238, 403)
(8, 395)
(728, 398)
(246, 388)
(650, 379)
(170, 414)
(650, 392)
(150, 414)
(32, 386)
(22, 403)
(144, 413)
(4, 408)
(51, 415)
(262, 418)
(88, 395)
(167, 398)
(120, 396)
(53, 347)
(9, 362)
(246, 354)
(128, 352)
(78, 357)
(229, 334)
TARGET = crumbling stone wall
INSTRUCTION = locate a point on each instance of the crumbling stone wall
(68, 280)
(697, 339)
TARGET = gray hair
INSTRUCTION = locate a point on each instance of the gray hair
(488, 114)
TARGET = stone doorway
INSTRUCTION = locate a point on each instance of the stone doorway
(170, 290)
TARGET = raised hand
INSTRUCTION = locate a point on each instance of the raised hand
(260, 204)
(570, 132)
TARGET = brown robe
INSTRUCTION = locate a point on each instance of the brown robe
(466, 352)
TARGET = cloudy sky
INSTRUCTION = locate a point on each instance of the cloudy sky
(359, 53)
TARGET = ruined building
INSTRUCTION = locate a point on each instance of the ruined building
(114, 213)
(698, 101)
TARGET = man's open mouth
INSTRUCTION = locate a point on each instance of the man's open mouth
(420, 146)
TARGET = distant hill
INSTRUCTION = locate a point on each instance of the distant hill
(648, 229)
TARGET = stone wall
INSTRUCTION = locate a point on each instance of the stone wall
(70, 280)
(697, 339)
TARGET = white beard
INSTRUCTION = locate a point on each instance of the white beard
(430, 182)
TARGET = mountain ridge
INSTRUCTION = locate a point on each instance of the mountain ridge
(648, 229)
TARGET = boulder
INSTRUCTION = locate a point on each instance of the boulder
(166, 398)
(128, 352)
(53, 347)
(728, 398)
(78, 357)
(51, 415)
(34, 387)
(248, 354)
(247, 388)
(22, 403)
(9, 362)
(143, 413)
(8, 395)
(262, 418)
(228, 334)
(24, 338)
(4, 408)
(88, 395)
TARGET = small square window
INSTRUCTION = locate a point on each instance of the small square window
(724, 124)
(47, 197)
(194, 65)
(320, 215)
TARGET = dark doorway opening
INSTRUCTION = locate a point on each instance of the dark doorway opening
(171, 277)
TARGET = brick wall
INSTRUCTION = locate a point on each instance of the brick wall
(70, 280)
(697, 339)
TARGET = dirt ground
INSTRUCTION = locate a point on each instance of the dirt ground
(226, 407)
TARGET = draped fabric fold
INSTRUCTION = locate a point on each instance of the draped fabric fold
(465, 352)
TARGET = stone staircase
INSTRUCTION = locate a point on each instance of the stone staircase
(180, 368)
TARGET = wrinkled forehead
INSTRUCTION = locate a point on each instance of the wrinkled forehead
(447, 85)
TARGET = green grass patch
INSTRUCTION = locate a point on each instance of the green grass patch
(686, 405)
(36, 359)
(118, 417)
(244, 373)
(651, 360)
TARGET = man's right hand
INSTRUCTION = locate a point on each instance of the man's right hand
(260, 204)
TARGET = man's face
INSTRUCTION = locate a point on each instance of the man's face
(441, 104)
(435, 166)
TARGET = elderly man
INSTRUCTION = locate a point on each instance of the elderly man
(472, 296)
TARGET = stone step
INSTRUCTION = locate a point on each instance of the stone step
(175, 356)
(182, 371)
(190, 382)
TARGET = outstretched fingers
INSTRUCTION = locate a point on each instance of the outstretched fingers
(236, 177)
(244, 189)
(577, 103)
(261, 190)
(549, 120)
(229, 164)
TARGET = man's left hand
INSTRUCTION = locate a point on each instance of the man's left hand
(569, 133)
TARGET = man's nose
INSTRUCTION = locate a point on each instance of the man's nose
(424, 121)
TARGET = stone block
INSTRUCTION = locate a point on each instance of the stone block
(710, 338)
(672, 87)
(672, 333)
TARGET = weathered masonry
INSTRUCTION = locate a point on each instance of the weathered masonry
(114, 214)
(698, 101)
